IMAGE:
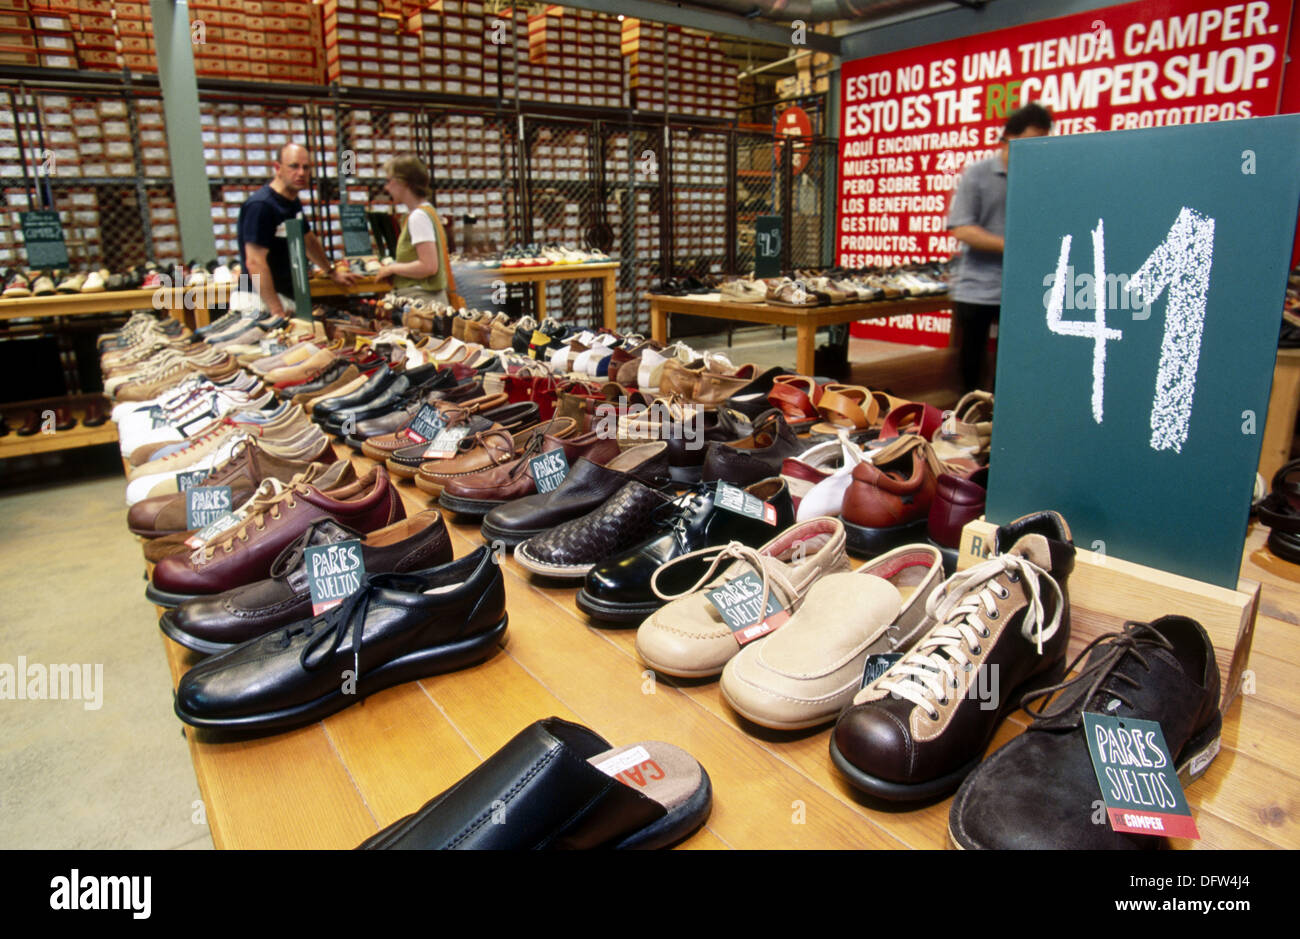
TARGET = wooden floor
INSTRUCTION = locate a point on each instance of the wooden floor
(334, 783)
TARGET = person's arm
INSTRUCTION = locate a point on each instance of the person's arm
(259, 271)
(981, 239)
(426, 264)
(316, 252)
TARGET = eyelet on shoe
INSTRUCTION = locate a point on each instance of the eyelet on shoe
(994, 615)
(968, 666)
(943, 702)
(1004, 594)
(984, 633)
(976, 650)
(1013, 577)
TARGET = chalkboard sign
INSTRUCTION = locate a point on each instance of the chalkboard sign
(43, 236)
(293, 230)
(1142, 289)
(356, 230)
(767, 246)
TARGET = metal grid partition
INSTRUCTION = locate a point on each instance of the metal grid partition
(757, 190)
(699, 196)
(631, 226)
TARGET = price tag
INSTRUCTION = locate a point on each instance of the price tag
(334, 573)
(187, 481)
(1137, 777)
(426, 424)
(877, 665)
(767, 246)
(206, 504)
(444, 445)
(737, 500)
(43, 238)
(737, 601)
(356, 230)
(204, 535)
(549, 469)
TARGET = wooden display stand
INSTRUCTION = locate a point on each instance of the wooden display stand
(80, 436)
(545, 274)
(1106, 592)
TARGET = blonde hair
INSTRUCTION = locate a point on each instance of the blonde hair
(411, 171)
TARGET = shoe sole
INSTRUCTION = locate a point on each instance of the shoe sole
(771, 724)
(948, 783)
(163, 598)
(401, 470)
(466, 506)
(152, 533)
(444, 658)
(424, 484)
(557, 571)
(870, 542)
(628, 613)
(179, 636)
(677, 824)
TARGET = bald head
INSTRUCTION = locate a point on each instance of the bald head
(292, 171)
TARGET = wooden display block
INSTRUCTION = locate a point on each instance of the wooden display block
(1107, 591)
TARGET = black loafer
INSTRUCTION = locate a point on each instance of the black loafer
(396, 628)
(559, 786)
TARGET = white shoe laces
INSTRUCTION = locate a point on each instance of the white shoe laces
(770, 568)
(929, 672)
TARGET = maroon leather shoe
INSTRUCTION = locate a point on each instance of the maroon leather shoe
(247, 553)
(957, 500)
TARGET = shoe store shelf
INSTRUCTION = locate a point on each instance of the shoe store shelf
(806, 320)
(335, 783)
(12, 445)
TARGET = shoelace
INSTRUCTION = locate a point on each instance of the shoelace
(268, 488)
(1096, 676)
(289, 559)
(674, 515)
(767, 566)
(263, 505)
(220, 428)
(336, 623)
(926, 675)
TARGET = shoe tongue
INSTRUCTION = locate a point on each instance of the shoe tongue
(1036, 548)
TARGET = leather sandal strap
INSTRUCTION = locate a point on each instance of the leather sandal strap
(915, 417)
(842, 406)
(795, 403)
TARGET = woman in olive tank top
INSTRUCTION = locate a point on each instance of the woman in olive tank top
(420, 269)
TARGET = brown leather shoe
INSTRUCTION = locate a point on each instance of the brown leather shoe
(31, 424)
(492, 448)
(887, 504)
(247, 468)
(247, 552)
(63, 419)
(479, 493)
(96, 413)
(385, 445)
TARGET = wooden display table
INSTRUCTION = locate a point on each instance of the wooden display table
(334, 783)
(12, 445)
(542, 275)
(804, 319)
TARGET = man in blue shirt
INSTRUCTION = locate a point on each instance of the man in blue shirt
(263, 246)
(978, 219)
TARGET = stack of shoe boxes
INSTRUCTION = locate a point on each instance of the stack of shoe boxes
(55, 42)
(262, 40)
(95, 34)
(135, 35)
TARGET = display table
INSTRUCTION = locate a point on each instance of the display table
(606, 273)
(334, 783)
(804, 319)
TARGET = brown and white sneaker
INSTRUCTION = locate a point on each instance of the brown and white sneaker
(998, 631)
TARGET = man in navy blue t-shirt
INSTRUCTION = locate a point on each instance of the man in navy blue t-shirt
(263, 246)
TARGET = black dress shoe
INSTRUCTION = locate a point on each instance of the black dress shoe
(618, 589)
(396, 628)
(586, 487)
(752, 399)
(387, 400)
(1040, 790)
(559, 786)
(374, 386)
(219, 622)
(333, 372)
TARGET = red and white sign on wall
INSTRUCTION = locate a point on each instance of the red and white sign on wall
(911, 120)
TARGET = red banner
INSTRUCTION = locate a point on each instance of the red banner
(911, 120)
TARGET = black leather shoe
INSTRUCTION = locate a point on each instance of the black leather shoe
(618, 589)
(333, 372)
(686, 456)
(751, 400)
(381, 403)
(755, 458)
(374, 386)
(1040, 790)
(557, 786)
(568, 551)
(587, 486)
(216, 623)
(396, 628)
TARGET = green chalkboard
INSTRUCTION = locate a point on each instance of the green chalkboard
(43, 237)
(767, 246)
(1147, 440)
(356, 230)
(293, 230)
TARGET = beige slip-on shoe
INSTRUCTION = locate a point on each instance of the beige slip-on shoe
(808, 671)
(689, 638)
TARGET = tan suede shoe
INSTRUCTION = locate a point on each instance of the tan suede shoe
(808, 671)
(689, 638)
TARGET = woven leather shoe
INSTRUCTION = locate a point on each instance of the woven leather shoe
(396, 628)
(569, 550)
(559, 786)
(919, 729)
(688, 637)
(214, 624)
(618, 588)
(587, 486)
(1039, 791)
(247, 553)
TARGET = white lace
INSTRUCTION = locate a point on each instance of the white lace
(770, 568)
(929, 672)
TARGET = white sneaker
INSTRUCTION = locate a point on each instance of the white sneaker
(206, 408)
(651, 368)
(827, 496)
(165, 483)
